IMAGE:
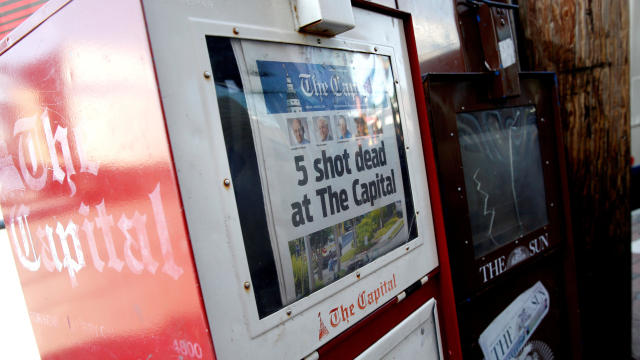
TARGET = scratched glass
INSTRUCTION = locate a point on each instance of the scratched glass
(317, 158)
(502, 174)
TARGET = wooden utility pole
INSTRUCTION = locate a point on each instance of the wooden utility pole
(587, 43)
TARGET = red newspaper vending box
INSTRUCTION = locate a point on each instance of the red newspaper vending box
(205, 179)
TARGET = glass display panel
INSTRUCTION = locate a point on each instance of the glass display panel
(503, 175)
(317, 159)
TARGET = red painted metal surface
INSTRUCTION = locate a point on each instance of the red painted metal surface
(89, 192)
(451, 346)
(14, 12)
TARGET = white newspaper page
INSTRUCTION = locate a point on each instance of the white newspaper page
(326, 133)
(508, 332)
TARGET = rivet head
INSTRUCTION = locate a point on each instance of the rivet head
(227, 182)
(375, 49)
(236, 31)
(288, 312)
(358, 274)
(552, 204)
(462, 108)
(319, 41)
(407, 248)
(501, 21)
(247, 285)
(459, 188)
(207, 75)
(451, 134)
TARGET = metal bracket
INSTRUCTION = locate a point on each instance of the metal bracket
(499, 47)
(412, 288)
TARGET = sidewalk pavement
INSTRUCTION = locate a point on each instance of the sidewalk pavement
(635, 284)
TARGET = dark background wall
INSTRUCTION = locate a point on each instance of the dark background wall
(587, 43)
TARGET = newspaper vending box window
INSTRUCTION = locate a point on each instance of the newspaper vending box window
(504, 182)
(317, 157)
(502, 169)
(325, 209)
